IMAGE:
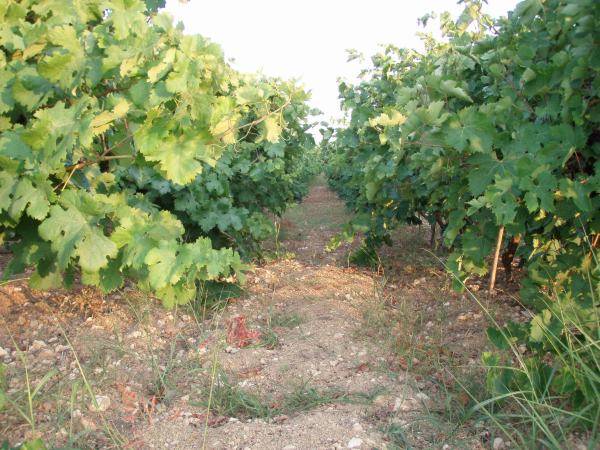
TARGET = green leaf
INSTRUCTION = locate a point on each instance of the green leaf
(371, 190)
(178, 294)
(7, 185)
(72, 235)
(31, 199)
(497, 338)
(449, 87)
(164, 267)
(539, 326)
(528, 75)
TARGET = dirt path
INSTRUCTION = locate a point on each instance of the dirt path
(321, 377)
(312, 354)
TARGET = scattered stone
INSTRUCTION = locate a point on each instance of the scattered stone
(4, 353)
(498, 443)
(232, 350)
(36, 346)
(419, 281)
(357, 427)
(406, 404)
(383, 400)
(86, 423)
(289, 447)
(103, 402)
(355, 443)
(47, 355)
(423, 397)
(280, 419)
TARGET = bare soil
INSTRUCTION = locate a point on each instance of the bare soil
(312, 354)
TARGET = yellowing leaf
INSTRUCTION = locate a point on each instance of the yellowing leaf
(225, 129)
(102, 122)
(272, 129)
(121, 108)
(128, 66)
(388, 120)
(32, 50)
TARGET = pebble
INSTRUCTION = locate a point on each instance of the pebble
(103, 402)
(87, 424)
(423, 397)
(232, 350)
(382, 400)
(355, 443)
(289, 447)
(37, 346)
(406, 404)
(47, 355)
(419, 281)
(498, 444)
(134, 334)
(3, 353)
(280, 419)
(357, 427)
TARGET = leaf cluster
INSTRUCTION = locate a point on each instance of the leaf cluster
(125, 143)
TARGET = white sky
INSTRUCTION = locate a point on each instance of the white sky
(308, 39)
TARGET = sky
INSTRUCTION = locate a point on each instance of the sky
(308, 39)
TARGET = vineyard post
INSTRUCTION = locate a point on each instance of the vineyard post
(432, 241)
(495, 262)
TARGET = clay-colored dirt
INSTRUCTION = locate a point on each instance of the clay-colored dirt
(346, 358)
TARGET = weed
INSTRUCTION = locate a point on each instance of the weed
(397, 437)
(543, 383)
(284, 320)
(269, 339)
(226, 399)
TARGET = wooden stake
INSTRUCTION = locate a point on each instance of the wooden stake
(496, 256)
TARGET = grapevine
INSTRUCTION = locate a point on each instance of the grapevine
(126, 143)
(492, 134)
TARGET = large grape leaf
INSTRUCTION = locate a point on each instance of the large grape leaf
(72, 235)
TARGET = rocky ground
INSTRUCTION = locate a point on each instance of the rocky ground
(311, 354)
